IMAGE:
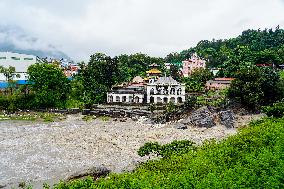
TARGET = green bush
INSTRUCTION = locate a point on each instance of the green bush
(253, 158)
(276, 110)
(173, 148)
(16, 101)
(148, 148)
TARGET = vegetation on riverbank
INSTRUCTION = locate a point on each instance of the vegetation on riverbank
(251, 159)
(33, 116)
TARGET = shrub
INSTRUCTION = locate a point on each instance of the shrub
(190, 102)
(276, 110)
(148, 148)
(174, 148)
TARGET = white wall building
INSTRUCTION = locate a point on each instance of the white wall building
(128, 95)
(165, 90)
(21, 62)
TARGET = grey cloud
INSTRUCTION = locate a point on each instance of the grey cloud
(158, 27)
(14, 39)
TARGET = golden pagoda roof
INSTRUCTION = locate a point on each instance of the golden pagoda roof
(153, 71)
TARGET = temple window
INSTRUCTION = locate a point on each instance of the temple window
(152, 91)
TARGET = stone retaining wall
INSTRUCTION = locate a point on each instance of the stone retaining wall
(117, 112)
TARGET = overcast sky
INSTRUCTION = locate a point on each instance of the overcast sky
(156, 27)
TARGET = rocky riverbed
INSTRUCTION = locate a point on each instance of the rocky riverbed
(46, 152)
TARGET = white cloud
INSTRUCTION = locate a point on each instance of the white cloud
(155, 27)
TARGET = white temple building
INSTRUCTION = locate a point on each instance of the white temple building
(165, 90)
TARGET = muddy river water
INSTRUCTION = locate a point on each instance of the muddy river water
(46, 152)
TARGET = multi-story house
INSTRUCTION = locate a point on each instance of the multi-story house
(191, 64)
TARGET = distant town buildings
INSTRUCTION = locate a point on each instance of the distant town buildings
(218, 83)
(21, 62)
(191, 64)
(71, 70)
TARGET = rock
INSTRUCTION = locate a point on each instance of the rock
(148, 121)
(2, 185)
(61, 111)
(134, 118)
(86, 111)
(227, 118)
(180, 126)
(74, 111)
(95, 172)
(123, 120)
(202, 117)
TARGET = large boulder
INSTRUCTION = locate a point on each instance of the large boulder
(95, 172)
(227, 118)
(201, 117)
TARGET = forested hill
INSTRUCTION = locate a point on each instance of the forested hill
(251, 47)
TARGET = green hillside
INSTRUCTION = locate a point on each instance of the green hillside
(250, 48)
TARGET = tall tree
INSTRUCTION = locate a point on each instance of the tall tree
(175, 72)
(98, 76)
(255, 87)
(10, 74)
(50, 85)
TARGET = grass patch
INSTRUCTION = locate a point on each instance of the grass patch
(88, 118)
(33, 116)
(254, 158)
(105, 118)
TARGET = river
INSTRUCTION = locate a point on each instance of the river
(38, 152)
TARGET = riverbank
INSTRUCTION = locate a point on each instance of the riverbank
(39, 152)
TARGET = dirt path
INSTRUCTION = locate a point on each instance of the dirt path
(39, 152)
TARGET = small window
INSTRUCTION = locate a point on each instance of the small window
(15, 58)
(28, 58)
(2, 58)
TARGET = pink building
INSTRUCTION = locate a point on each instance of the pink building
(191, 64)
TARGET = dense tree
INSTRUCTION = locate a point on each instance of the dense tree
(136, 64)
(255, 86)
(97, 77)
(49, 84)
(197, 80)
(175, 72)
